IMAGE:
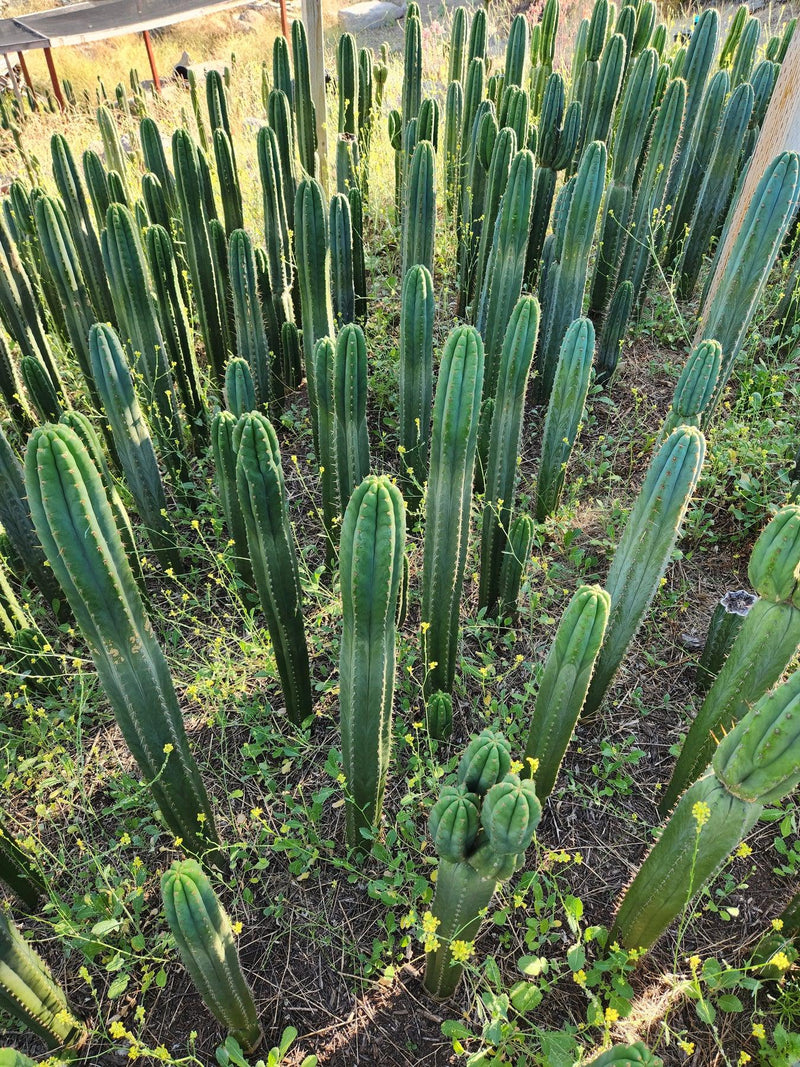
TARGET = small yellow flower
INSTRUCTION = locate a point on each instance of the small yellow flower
(432, 943)
(781, 961)
(408, 738)
(687, 1047)
(125, 839)
(744, 1057)
(424, 627)
(694, 962)
(759, 1032)
(178, 842)
(516, 766)
(237, 928)
(777, 924)
(462, 950)
(117, 1030)
(744, 850)
(168, 748)
(533, 764)
(701, 813)
(430, 923)
(580, 977)
(612, 1015)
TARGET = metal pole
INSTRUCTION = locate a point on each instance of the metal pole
(48, 55)
(26, 75)
(153, 70)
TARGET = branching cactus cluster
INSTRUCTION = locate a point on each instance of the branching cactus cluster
(480, 828)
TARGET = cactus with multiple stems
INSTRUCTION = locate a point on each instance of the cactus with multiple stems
(204, 936)
(480, 829)
(371, 567)
(766, 644)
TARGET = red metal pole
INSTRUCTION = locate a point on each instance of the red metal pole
(284, 20)
(152, 58)
(26, 75)
(48, 55)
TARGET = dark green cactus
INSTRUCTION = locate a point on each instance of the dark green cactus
(66, 493)
(281, 123)
(457, 59)
(347, 76)
(563, 288)
(476, 47)
(240, 392)
(505, 148)
(412, 74)
(305, 112)
(16, 869)
(564, 412)
(723, 629)
(341, 245)
(350, 407)
(416, 375)
(439, 716)
(518, 53)
(597, 121)
(637, 1055)
(359, 259)
(29, 994)
(613, 333)
(481, 829)
(516, 555)
(484, 134)
(756, 764)
(223, 448)
(694, 388)
(228, 176)
(565, 683)
(262, 496)
(155, 159)
(645, 548)
(371, 561)
(419, 214)
(506, 265)
(112, 146)
(324, 359)
(767, 642)
(276, 226)
(41, 390)
(251, 335)
(504, 441)
(447, 503)
(204, 936)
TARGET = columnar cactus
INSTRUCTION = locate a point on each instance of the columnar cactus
(350, 408)
(419, 213)
(518, 550)
(223, 449)
(767, 642)
(613, 333)
(341, 244)
(597, 121)
(155, 160)
(347, 75)
(564, 411)
(240, 392)
(504, 150)
(204, 936)
(371, 561)
(501, 469)
(754, 765)
(305, 112)
(723, 629)
(484, 135)
(412, 74)
(565, 683)
(447, 504)
(636, 1055)
(439, 716)
(457, 61)
(41, 390)
(481, 829)
(505, 269)
(251, 334)
(29, 994)
(277, 226)
(694, 387)
(230, 189)
(416, 373)
(324, 360)
(453, 118)
(281, 122)
(645, 548)
(563, 288)
(66, 494)
(262, 496)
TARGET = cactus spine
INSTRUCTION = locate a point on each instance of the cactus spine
(645, 548)
(447, 506)
(66, 494)
(371, 560)
(416, 373)
(205, 941)
(501, 470)
(28, 992)
(564, 411)
(262, 495)
(481, 829)
(767, 641)
(565, 683)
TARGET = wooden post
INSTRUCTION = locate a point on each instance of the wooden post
(780, 132)
(13, 77)
(153, 69)
(48, 55)
(312, 19)
(284, 20)
(26, 75)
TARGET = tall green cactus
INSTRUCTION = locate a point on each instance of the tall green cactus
(597, 121)
(517, 53)
(223, 447)
(412, 74)
(645, 548)
(204, 936)
(371, 560)
(613, 333)
(276, 226)
(341, 245)
(518, 550)
(457, 59)
(565, 683)
(564, 411)
(350, 407)
(419, 214)
(41, 390)
(447, 504)
(280, 117)
(324, 358)
(240, 390)
(305, 112)
(228, 176)
(506, 432)
(66, 495)
(251, 335)
(347, 76)
(137, 456)
(694, 387)
(504, 150)
(416, 374)
(155, 160)
(745, 272)
(506, 264)
(755, 765)
(563, 288)
(29, 994)
(767, 642)
(262, 495)
(723, 629)
(480, 829)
